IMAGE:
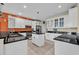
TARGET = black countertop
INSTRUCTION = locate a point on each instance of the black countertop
(2, 37)
(72, 39)
(67, 42)
(37, 33)
(57, 32)
(14, 41)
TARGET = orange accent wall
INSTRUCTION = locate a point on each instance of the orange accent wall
(4, 23)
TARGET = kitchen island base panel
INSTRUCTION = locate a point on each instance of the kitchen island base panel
(38, 39)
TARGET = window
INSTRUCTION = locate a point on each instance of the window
(56, 22)
(61, 22)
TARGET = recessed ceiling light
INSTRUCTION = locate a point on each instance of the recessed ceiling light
(59, 6)
(19, 13)
(25, 6)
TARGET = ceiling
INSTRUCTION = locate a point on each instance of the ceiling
(39, 11)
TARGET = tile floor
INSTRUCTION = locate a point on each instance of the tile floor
(47, 49)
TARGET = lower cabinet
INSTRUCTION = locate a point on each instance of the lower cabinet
(63, 48)
(1, 46)
(16, 48)
(51, 36)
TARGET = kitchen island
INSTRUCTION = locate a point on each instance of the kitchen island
(38, 39)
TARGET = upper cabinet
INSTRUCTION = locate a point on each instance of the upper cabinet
(68, 20)
(59, 22)
(14, 22)
(11, 22)
(49, 23)
(21, 23)
(73, 16)
(56, 22)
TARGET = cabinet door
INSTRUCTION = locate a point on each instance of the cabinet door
(63, 48)
(11, 23)
(34, 38)
(19, 23)
(16, 48)
(27, 22)
(1, 47)
(46, 36)
(73, 16)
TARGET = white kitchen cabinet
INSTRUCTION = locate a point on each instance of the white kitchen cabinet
(49, 25)
(66, 21)
(51, 22)
(71, 19)
(27, 22)
(1, 46)
(16, 48)
(19, 23)
(51, 36)
(73, 16)
(63, 48)
(11, 22)
(14, 22)
(38, 39)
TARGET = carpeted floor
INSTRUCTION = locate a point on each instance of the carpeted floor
(47, 49)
